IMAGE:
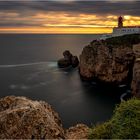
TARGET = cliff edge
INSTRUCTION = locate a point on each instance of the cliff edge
(136, 72)
(22, 118)
(110, 61)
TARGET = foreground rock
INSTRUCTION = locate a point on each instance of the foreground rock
(109, 61)
(21, 118)
(68, 60)
(136, 72)
(80, 131)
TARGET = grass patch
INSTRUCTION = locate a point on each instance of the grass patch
(125, 123)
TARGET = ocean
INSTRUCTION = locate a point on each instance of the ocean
(28, 67)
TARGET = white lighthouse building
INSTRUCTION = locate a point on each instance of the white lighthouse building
(122, 30)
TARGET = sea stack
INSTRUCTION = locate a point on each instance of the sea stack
(68, 60)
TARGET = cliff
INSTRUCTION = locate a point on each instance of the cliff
(22, 118)
(110, 61)
(136, 72)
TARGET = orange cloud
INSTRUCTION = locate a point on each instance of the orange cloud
(62, 22)
(56, 30)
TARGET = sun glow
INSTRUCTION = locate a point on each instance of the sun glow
(62, 22)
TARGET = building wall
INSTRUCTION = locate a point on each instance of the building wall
(121, 31)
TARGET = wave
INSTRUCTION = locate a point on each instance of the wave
(50, 64)
(121, 86)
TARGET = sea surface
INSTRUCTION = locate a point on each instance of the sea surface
(28, 67)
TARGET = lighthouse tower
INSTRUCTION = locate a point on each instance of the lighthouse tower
(120, 22)
(122, 30)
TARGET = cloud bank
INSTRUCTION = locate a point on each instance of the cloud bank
(68, 13)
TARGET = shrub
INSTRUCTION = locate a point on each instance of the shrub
(125, 123)
(102, 131)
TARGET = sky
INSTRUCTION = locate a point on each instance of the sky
(66, 16)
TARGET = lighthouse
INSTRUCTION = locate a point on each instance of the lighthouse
(122, 30)
(120, 22)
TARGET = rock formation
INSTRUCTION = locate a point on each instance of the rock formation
(80, 131)
(107, 64)
(109, 61)
(68, 60)
(74, 61)
(136, 72)
(21, 118)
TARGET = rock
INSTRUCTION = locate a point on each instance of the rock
(80, 131)
(21, 118)
(63, 63)
(68, 60)
(74, 61)
(67, 55)
(136, 50)
(135, 85)
(109, 61)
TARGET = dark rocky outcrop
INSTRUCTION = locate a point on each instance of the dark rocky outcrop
(74, 61)
(21, 118)
(68, 60)
(63, 63)
(136, 72)
(110, 61)
(67, 55)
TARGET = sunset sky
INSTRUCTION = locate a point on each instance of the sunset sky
(67, 16)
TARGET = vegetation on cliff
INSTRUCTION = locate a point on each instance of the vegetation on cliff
(125, 123)
(126, 40)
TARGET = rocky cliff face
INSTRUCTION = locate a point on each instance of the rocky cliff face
(106, 63)
(21, 118)
(80, 131)
(115, 61)
(136, 72)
